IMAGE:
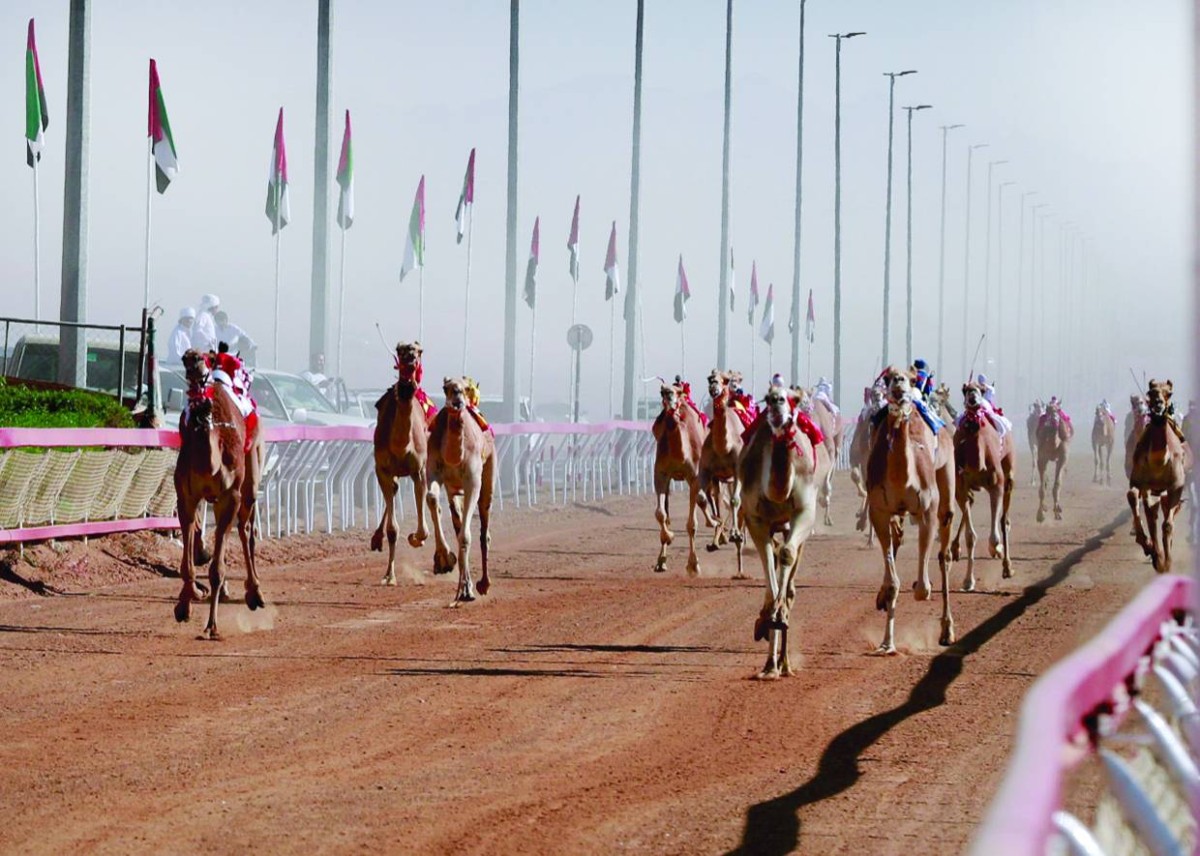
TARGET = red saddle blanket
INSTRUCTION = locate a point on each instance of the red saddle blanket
(801, 422)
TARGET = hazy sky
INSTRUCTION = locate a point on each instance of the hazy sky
(1088, 100)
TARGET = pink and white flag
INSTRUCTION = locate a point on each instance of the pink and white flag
(682, 293)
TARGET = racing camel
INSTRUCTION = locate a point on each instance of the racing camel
(860, 449)
(462, 459)
(1104, 437)
(1136, 421)
(910, 471)
(985, 461)
(781, 466)
(830, 424)
(401, 450)
(1162, 462)
(1054, 435)
(679, 435)
(220, 462)
(718, 460)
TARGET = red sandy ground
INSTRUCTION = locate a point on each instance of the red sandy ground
(585, 705)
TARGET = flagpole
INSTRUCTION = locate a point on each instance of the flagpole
(532, 348)
(341, 304)
(752, 379)
(278, 241)
(571, 391)
(421, 302)
(37, 245)
(149, 182)
(612, 357)
(682, 353)
(808, 377)
(467, 302)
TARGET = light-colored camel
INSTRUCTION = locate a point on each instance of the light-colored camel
(220, 465)
(860, 449)
(1104, 437)
(1162, 462)
(718, 461)
(910, 471)
(780, 468)
(462, 460)
(831, 429)
(1031, 424)
(943, 407)
(985, 461)
(679, 434)
(1054, 435)
(1136, 421)
(401, 451)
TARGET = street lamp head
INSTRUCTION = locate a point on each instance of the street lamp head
(909, 71)
(996, 162)
(852, 35)
(1007, 184)
(980, 146)
(923, 107)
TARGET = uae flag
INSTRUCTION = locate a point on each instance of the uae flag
(573, 243)
(279, 210)
(466, 199)
(37, 117)
(766, 329)
(753, 292)
(345, 180)
(810, 324)
(612, 273)
(414, 245)
(531, 268)
(682, 293)
(162, 143)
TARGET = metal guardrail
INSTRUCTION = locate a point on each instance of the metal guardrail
(1097, 708)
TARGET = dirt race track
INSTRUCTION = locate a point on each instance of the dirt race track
(585, 705)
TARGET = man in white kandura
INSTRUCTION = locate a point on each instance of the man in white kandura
(181, 336)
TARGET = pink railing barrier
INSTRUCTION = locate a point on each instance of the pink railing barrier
(1052, 733)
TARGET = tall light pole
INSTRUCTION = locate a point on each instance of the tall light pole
(908, 348)
(511, 410)
(1020, 380)
(837, 211)
(1000, 278)
(318, 336)
(1045, 326)
(633, 302)
(887, 232)
(941, 329)
(987, 264)
(723, 282)
(966, 353)
(795, 327)
(1037, 238)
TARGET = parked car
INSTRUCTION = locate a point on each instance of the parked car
(283, 399)
(35, 357)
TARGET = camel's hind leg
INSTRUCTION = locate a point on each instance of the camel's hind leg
(826, 495)
(389, 487)
(225, 508)
(485, 516)
(712, 491)
(1108, 466)
(661, 488)
(1095, 464)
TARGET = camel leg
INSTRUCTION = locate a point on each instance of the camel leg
(190, 533)
(963, 497)
(1108, 466)
(1134, 497)
(485, 516)
(922, 587)
(827, 495)
(1006, 527)
(1170, 507)
(1095, 464)
(1059, 466)
(995, 540)
(967, 524)
(1152, 510)
(695, 500)
(665, 536)
(245, 524)
(420, 489)
(889, 591)
(466, 586)
(387, 523)
(714, 501)
(1041, 483)
(443, 559)
(225, 508)
(761, 535)
(738, 535)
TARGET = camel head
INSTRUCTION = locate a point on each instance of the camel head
(899, 384)
(803, 399)
(718, 382)
(456, 390)
(408, 361)
(672, 397)
(1158, 397)
(876, 398)
(972, 395)
(1037, 408)
(778, 406)
(195, 368)
(1137, 404)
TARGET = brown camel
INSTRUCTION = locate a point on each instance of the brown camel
(780, 469)
(860, 449)
(983, 461)
(1031, 424)
(910, 471)
(1162, 462)
(462, 458)
(1104, 437)
(718, 461)
(219, 464)
(943, 408)
(1054, 435)
(680, 437)
(831, 428)
(401, 450)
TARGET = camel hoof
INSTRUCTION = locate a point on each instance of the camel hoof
(483, 585)
(969, 584)
(921, 592)
(1007, 573)
(885, 650)
(211, 633)
(203, 557)
(1041, 515)
(739, 576)
(415, 540)
(711, 548)
(464, 595)
(787, 672)
(444, 564)
(693, 567)
(722, 538)
(996, 551)
(183, 611)
(660, 566)
(224, 592)
(389, 580)
(947, 638)
(1058, 514)
(377, 541)
(1154, 561)
(254, 600)
(767, 675)
(761, 628)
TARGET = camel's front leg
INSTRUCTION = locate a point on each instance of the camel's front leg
(760, 534)
(1170, 506)
(420, 489)
(967, 524)
(485, 516)
(254, 598)
(387, 484)
(995, 539)
(225, 509)
(443, 559)
(1095, 464)
(466, 586)
(738, 535)
(1006, 526)
(827, 495)
(695, 500)
(1059, 467)
(190, 533)
(665, 536)
(1041, 483)
(1152, 510)
(1108, 466)
(1134, 497)
(922, 588)
(719, 535)
(889, 591)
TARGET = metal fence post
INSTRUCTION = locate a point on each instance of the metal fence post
(121, 365)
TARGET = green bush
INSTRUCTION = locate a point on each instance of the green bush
(25, 407)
